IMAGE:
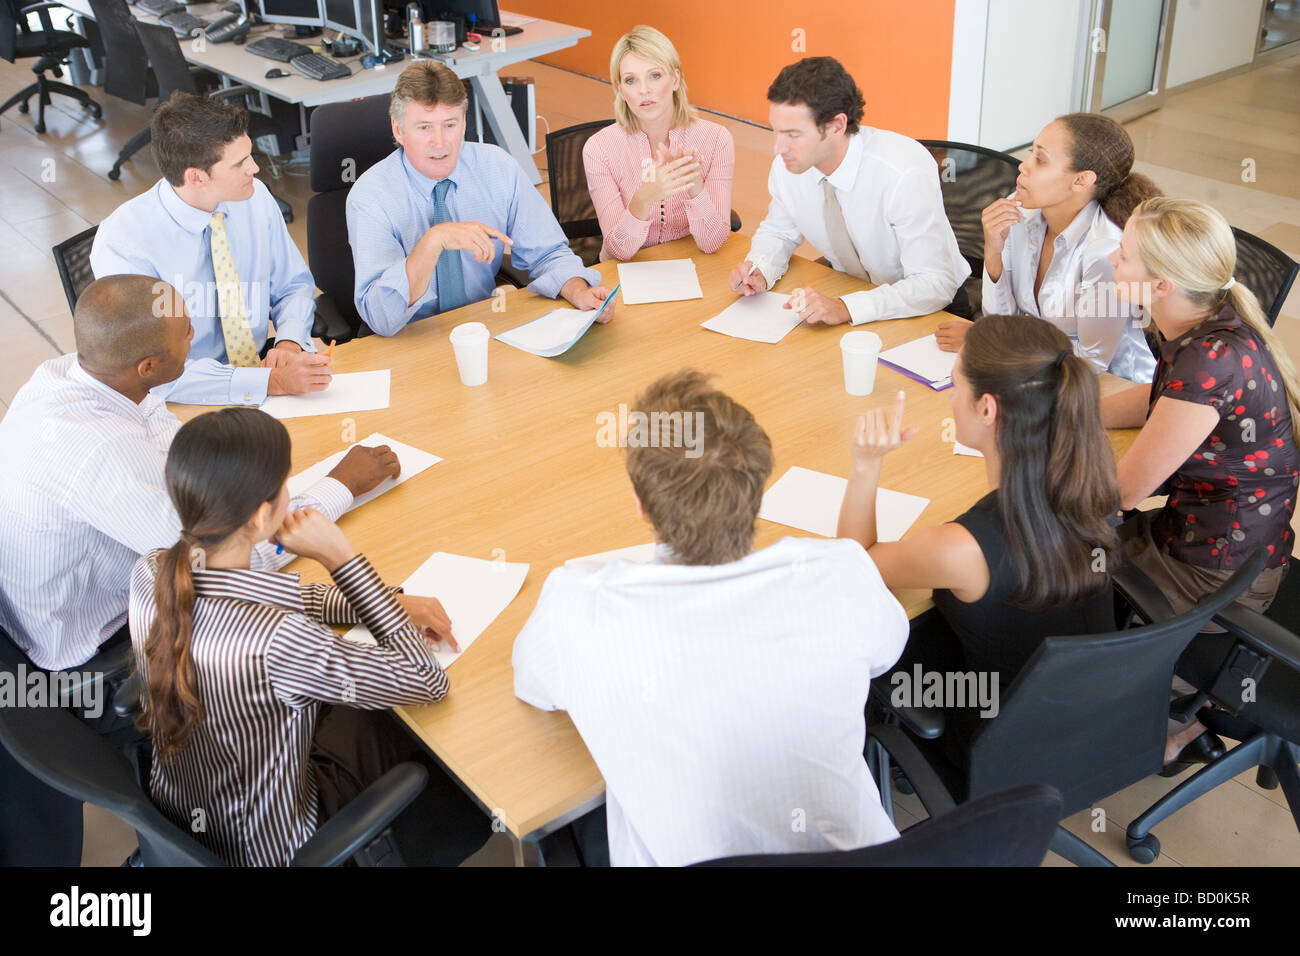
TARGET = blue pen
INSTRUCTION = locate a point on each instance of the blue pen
(279, 549)
(609, 298)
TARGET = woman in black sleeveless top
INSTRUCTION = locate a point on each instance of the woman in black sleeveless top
(1030, 559)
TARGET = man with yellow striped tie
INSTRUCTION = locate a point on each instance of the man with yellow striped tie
(212, 231)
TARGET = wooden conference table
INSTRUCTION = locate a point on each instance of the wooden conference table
(523, 479)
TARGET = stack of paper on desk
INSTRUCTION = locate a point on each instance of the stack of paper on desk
(472, 591)
(347, 392)
(923, 361)
(669, 280)
(758, 317)
(412, 460)
(810, 501)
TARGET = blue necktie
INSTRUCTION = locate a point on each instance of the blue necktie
(451, 278)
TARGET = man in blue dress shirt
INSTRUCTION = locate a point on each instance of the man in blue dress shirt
(429, 223)
(212, 231)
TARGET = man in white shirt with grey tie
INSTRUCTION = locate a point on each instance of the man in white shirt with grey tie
(720, 690)
(867, 199)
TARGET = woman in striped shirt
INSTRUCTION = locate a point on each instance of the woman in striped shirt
(237, 663)
(659, 173)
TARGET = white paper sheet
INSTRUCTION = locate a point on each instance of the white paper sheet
(670, 280)
(959, 449)
(758, 317)
(637, 553)
(347, 392)
(810, 501)
(412, 460)
(924, 358)
(515, 19)
(553, 333)
(473, 592)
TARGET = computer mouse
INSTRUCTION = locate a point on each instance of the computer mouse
(275, 74)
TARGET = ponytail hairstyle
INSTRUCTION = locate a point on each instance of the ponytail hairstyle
(1100, 144)
(1058, 486)
(1191, 244)
(221, 468)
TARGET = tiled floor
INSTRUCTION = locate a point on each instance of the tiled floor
(53, 186)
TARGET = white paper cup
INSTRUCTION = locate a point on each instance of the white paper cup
(470, 343)
(860, 349)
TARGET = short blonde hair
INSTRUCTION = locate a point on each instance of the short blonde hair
(649, 44)
(428, 83)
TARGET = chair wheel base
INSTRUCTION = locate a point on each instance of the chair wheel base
(23, 107)
(1145, 850)
(97, 111)
(40, 127)
(115, 174)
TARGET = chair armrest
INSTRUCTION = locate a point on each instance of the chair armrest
(228, 92)
(330, 324)
(126, 702)
(928, 723)
(363, 819)
(516, 277)
(44, 10)
(1262, 633)
(929, 788)
(107, 666)
(735, 221)
(1141, 594)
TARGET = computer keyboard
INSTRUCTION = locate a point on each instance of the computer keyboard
(159, 8)
(277, 48)
(317, 66)
(183, 24)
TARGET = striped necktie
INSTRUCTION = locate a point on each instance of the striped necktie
(451, 278)
(241, 348)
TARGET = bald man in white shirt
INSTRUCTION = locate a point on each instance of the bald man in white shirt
(82, 494)
(868, 199)
(720, 690)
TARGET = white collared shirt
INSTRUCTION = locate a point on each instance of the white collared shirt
(1077, 294)
(722, 703)
(888, 188)
(82, 496)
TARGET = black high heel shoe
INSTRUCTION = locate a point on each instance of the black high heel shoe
(1206, 748)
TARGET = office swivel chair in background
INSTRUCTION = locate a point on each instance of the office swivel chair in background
(49, 47)
(1088, 714)
(570, 198)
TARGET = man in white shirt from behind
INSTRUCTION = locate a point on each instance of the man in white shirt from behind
(720, 690)
(868, 199)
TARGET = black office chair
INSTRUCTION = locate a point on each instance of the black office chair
(1261, 649)
(1265, 270)
(49, 47)
(66, 755)
(971, 177)
(346, 140)
(40, 826)
(1088, 714)
(570, 199)
(72, 257)
(1012, 827)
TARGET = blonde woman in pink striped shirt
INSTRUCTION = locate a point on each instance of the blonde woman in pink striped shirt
(659, 173)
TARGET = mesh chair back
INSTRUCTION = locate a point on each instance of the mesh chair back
(1265, 270)
(971, 177)
(1088, 713)
(166, 59)
(570, 199)
(9, 21)
(126, 68)
(346, 140)
(1010, 828)
(72, 256)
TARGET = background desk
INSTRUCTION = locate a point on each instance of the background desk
(538, 38)
(524, 480)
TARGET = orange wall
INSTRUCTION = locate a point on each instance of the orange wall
(899, 51)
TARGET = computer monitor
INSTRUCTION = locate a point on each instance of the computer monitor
(486, 13)
(342, 16)
(305, 13)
